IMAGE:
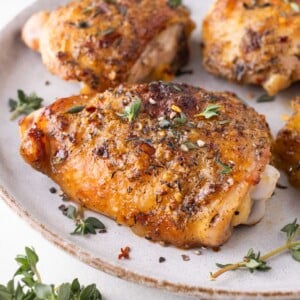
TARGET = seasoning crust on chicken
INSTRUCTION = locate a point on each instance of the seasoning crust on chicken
(105, 43)
(287, 146)
(175, 163)
(254, 42)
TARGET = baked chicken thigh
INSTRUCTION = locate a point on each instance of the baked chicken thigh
(287, 145)
(175, 163)
(254, 42)
(105, 43)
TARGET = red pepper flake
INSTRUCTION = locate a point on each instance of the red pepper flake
(91, 109)
(283, 39)
(124, 253)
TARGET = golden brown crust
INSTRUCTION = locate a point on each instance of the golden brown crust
(254, 42)
(98, 42)
(169, 178)
(287, 146)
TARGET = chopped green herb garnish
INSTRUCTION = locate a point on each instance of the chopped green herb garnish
(265, 98)
(132, 110)
(174, 3)
(180, 120)
(210, 111)
(226, 169)
(24, 105)
(76, 109)
(27, 284)
(256, 262)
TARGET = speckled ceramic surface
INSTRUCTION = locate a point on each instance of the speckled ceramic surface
(27, 191)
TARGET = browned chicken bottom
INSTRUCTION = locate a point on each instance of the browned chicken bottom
(105, 43)
(254, 42)
(175, 163)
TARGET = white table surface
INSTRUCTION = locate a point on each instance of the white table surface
(55, 265)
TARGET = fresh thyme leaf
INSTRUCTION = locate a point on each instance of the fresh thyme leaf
(132, 110)
(265, 98)
(180, 120)
(88, 226)
(76, 109)
(254, 262)
(174, 3)
(290, 229)
(226, 169)
(210, 111)
(24, 105)
(5, 294)
(75, 286)
(222, 266)
(64, 291)
(43, 291)
(296, 252)
(83, 226)
(34, 289)
(71, 212)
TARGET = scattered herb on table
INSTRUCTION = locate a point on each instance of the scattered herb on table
(210, 111)
(84, 226)
(265, 98)
(132, 110)
(24, 105)
(27, 284)
(257, 262)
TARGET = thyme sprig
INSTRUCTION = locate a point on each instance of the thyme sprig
(84, 226)
(257, 262)
(27, 284)
(24, 105)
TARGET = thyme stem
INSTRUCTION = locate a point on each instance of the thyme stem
(267, 256)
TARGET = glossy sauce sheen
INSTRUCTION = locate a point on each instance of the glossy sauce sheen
(141, 173)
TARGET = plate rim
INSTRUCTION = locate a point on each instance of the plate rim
(88, 258)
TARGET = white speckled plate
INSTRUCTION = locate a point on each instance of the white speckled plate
(27, 191)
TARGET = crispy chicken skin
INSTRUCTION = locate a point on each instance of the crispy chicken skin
(254, 42)
(287, 146)
(105, 43)
(168, 174)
